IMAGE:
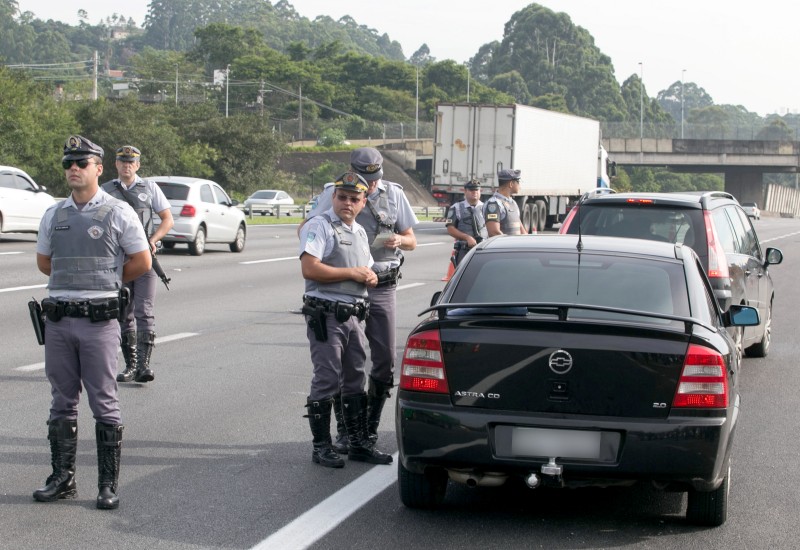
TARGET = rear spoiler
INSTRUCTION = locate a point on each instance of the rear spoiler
(561, 310)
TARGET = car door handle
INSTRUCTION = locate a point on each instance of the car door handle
(747, 272)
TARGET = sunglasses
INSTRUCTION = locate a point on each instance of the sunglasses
(82, 163)
(348, 198)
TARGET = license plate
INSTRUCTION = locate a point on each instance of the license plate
(555, 443)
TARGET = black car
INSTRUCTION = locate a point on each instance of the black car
(566, 362)
(714, 225)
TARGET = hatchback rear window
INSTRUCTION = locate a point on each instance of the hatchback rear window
(174, 191)
(656, 286)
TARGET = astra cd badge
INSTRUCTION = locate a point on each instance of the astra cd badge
(560, 362)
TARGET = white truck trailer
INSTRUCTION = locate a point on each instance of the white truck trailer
(560, 156)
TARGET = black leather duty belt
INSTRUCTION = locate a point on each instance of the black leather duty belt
(96, 310)
(342, 311)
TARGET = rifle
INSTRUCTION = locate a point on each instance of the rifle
(160, 270)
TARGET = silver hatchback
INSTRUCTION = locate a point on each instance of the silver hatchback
(203, 213)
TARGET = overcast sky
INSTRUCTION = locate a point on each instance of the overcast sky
(742, 53)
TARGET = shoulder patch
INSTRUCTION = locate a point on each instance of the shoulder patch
(491, 217)
(311, 236)
(492, 208)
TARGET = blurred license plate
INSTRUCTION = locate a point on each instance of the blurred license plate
(555, 443)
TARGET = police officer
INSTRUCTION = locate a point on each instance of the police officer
(138, 326)
(336, 264)
(389, 222)
(501, 210)
(88, 245)
(465, 221)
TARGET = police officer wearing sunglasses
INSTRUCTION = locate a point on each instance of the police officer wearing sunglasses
(337, 266)
(88, 246)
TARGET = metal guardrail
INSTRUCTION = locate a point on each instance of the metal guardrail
(300, 211)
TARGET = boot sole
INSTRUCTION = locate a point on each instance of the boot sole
(107, 506)
(60, 496)
(148, 378)
(370, 459)
(327, 464)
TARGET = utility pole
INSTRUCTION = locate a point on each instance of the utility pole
(261, 98)
(300, 109)
(683, 75)
(641, 106)
(94, 84)
(416, 120)
(176, 85)
(227, 87)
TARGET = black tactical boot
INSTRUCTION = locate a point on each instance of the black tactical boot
(144, 347)
(109, 449)
(376, 398)
(354, 410)
(129, 354)
(63, 436)
(340, 445)
(319, 418)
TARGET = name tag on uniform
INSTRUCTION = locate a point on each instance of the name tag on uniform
(61, 228)
(345, 242)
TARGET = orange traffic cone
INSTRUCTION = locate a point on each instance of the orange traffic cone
(450, 266)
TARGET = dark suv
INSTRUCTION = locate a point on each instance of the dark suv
(714, 225)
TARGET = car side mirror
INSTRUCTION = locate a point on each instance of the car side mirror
(774, 256)
(233, 202)
(435, 297)
(741, 316)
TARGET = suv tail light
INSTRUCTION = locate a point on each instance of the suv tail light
(188, 211)
(423, 366)
(568, 220)
(703, 382)
(717, 261)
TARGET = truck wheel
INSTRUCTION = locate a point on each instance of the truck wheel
(710, 508)
(530, 217)
(421, 490)
(541, 208)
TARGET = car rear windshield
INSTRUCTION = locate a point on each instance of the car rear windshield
(655, 223)
(264, 195)
(174, 191)
(631, 283)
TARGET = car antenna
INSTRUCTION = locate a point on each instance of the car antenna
(580, 235)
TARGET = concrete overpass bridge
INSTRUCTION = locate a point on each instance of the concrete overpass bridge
(742, 162)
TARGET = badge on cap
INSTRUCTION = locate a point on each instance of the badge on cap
(74, 142)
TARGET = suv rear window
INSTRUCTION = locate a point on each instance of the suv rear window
(655, 223)
(174, 191)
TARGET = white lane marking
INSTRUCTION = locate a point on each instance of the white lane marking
(12, 289)
(317, 522)
(410, 285)
(162, 340)
(270, 260)
(178, 336)
(31, 368)
(781, 237)
(10, 253)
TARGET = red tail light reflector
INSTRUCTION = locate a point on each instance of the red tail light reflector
(423, 366)
(640, 201)
(717, 261)
(188, 211)
(703, 382)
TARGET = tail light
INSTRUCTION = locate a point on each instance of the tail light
(703, 382)
(568, 220)
(423, 366)
(717, 261)
(188, 211)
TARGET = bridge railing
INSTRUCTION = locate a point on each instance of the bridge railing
(756, 131)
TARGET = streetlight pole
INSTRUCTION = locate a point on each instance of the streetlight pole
(641, 105)
(683, 75)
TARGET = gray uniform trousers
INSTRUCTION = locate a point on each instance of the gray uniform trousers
(79, 353)
(340, 359)
(140, 316)
(380, 332)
